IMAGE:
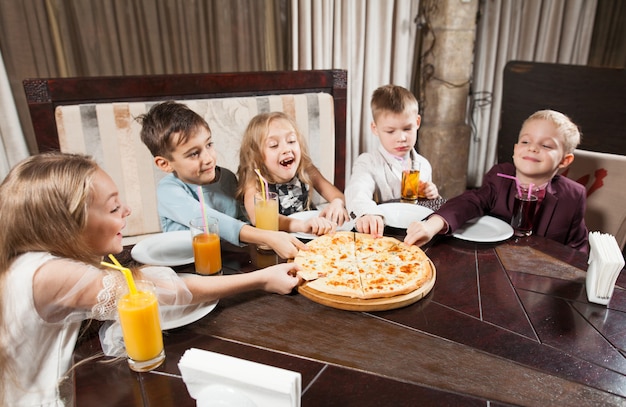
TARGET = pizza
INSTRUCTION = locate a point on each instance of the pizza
(358, 265)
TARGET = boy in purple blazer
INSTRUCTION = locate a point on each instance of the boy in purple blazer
(545, 145)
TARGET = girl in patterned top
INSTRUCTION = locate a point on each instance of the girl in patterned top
(273, 144)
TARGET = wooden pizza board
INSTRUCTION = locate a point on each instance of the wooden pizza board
(374, 304)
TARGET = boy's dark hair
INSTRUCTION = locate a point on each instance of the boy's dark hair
(167, 125)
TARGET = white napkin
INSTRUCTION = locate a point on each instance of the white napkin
(214, 379)
(605, 263)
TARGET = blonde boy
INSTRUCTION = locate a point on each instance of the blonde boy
(545, 145)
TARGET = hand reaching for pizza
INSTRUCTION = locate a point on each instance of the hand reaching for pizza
(335, 212)
(284, 244)
(421, 232)
(372, 224)
(319, 226)
(281, 278)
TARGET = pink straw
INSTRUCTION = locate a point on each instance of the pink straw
(530, 189)
(201, 196)
(519, 189)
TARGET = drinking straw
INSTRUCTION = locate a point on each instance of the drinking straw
(204, 221)
(127, 273)
(264, 185)
(517, 185)
(530, 189)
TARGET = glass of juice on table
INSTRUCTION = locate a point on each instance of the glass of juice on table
(524, 209)
(206, 245)
(141, 327)
(266, 212)
(410, 182)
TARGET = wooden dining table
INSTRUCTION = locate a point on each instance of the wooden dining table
(506, 323)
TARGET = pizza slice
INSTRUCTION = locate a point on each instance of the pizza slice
(324, 253)
(344, 280)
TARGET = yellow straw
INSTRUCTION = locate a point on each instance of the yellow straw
(263, 183)
(127, 273)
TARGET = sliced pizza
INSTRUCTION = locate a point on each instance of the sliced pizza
(360, 266)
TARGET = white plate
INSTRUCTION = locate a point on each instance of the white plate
(165, 249)
(306, 215)
(401, 214)
(485, 229)
(191, 314)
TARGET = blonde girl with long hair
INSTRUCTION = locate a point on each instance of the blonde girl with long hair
(273, 145)
(60, 215)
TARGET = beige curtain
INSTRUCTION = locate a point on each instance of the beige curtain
(12, 145)
(608, 46)
(556, 31)
(59, 38)
(374, 40)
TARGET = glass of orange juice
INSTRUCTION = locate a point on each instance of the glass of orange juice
(266, 213)
(206, 246)
(141, 327)
(410, 182)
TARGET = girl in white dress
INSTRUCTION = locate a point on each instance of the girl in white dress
(60, 215)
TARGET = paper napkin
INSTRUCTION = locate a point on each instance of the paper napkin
(605, 263)
(214, 379)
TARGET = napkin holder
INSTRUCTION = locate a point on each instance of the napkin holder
(605, 264)
(209, 376)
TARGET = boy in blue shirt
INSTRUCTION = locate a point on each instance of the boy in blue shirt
(181, 143)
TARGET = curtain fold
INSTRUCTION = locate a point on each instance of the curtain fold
(608, 47)
(12, 145)
(373, 40)
(556, 31)
(61, 38)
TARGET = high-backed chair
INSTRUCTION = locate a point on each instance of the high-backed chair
(594, 99)
(602, 174)
(96, 116)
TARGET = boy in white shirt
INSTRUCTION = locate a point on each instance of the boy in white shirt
(377, 176)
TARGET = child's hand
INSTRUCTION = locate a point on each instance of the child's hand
(335, 212)
(372, 224)
(428, 189)
(319, 226)
(421, 232)
(284, 244)
(281, 278)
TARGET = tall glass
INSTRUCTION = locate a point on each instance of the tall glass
(524, 209)
(411, 183)
(141, 327)
(207, 253)
(266, 213)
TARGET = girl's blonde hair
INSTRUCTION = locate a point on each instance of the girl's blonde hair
(565, 128)
(43, 207)
(251, 153)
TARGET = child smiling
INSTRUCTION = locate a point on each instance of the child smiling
(545, 145)
(273, 144)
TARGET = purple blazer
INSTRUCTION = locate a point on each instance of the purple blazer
(560, 216)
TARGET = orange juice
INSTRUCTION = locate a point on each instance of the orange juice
(206, 253)
(141, 327)
(410, 184)
(266, 214)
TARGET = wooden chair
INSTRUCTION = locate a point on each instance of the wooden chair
(96, 116)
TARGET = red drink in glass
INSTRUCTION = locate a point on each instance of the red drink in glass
(523, 214)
